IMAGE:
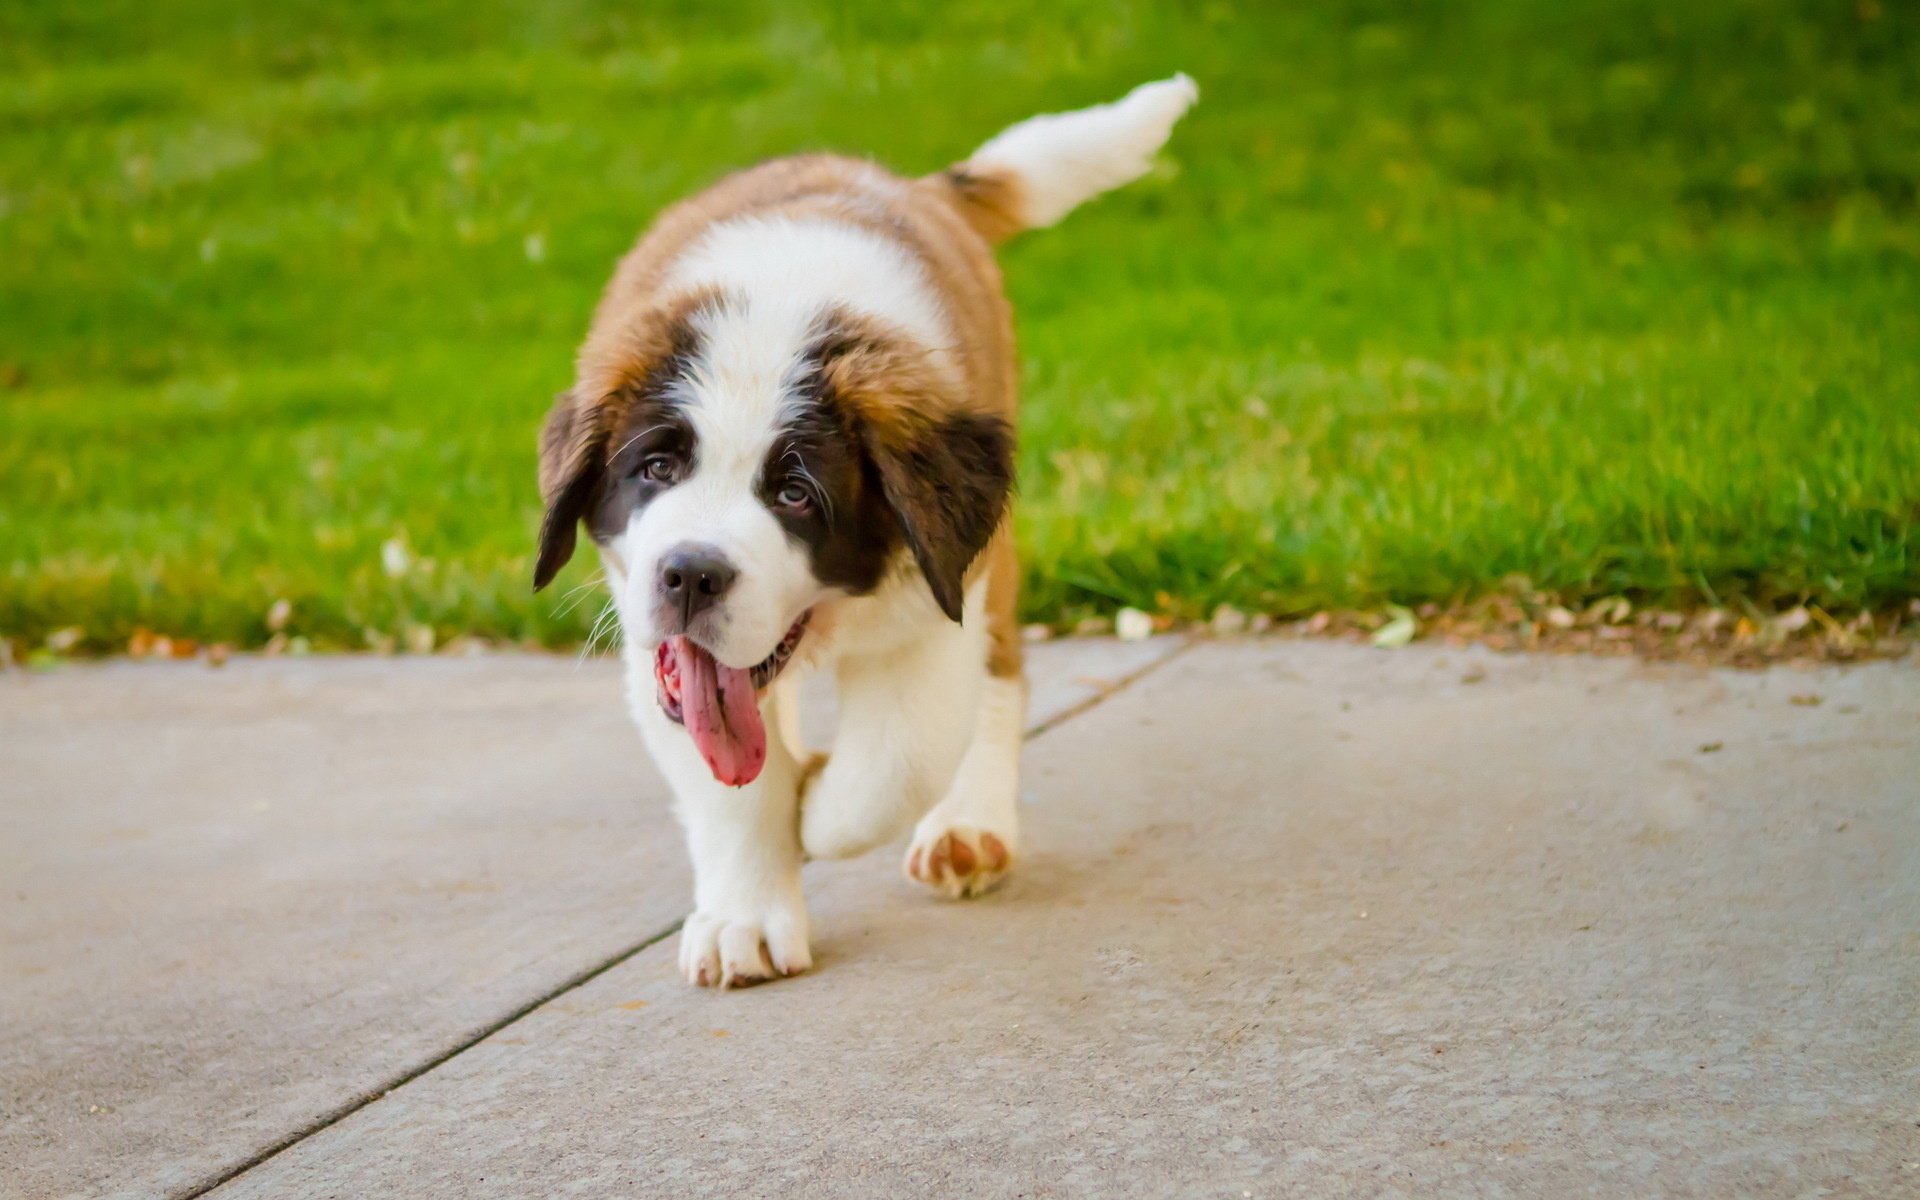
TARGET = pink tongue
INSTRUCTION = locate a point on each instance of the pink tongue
(722, 714)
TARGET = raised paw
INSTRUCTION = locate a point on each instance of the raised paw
(957, 861)
(718, 952)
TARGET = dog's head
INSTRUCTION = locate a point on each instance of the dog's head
(740, 463)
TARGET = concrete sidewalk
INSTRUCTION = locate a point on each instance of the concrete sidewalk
(1297, 918)
(241, 902)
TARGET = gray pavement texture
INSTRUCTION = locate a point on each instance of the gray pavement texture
(1295, 918)
(239, 901)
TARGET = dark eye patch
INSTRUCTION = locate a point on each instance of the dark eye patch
(658, 432)
(651, 428)
(847, 528)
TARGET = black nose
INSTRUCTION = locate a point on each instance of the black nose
(693, 578)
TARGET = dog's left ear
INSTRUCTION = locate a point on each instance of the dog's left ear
(947, 478)
(945, 470)
(573, 455)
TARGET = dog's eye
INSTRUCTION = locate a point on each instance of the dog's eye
(660, 468)
(794, 496)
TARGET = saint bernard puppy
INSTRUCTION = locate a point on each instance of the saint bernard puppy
(790, 434)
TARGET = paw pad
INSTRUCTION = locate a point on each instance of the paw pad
(959, 862)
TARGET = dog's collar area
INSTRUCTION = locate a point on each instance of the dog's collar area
(772, 664)
(666, 668)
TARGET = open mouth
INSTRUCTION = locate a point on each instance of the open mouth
(718, 704)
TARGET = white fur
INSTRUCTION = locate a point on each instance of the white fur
(790, 270)
(921, 721)
(1065, 159)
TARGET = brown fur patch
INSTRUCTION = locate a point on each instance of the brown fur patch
(945, 466)
(1005, 650)
(993, 202)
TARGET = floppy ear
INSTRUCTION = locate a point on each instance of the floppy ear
(947, 478)
(572, 461)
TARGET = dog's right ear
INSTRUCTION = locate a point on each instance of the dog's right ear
(572, 461)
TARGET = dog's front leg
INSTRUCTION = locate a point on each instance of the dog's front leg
(906, 717)
(750, 920)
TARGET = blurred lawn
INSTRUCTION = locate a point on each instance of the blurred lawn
(1624, 296)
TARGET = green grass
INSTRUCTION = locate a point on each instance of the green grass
(1622, 296)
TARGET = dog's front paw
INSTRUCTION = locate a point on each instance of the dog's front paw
(957, 861)
(731, 951)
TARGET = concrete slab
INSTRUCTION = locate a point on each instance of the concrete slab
(238, 901)
(1299, 919)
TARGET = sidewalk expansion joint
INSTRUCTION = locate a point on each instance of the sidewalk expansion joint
(342, 1112)
(332, 1117)
(1108, 690)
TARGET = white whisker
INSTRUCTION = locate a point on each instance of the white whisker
(636, 437)
(608, 622)
(577, 593)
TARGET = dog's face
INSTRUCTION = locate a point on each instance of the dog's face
(738, 463)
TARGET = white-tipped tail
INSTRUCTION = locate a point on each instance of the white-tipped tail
(1059, 161)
